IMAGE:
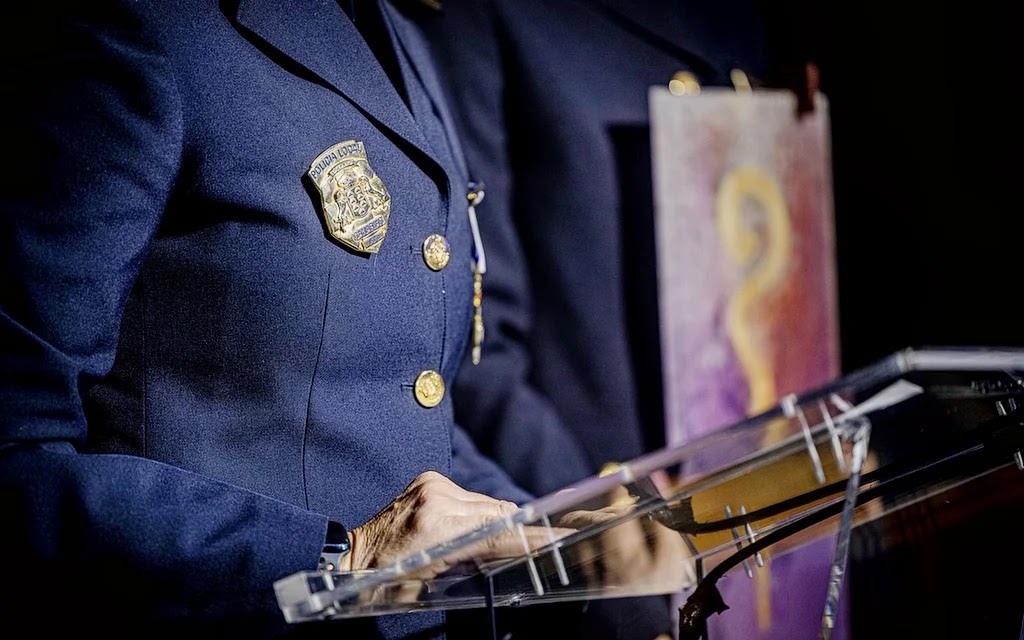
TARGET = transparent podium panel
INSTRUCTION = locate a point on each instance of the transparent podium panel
(675, 521)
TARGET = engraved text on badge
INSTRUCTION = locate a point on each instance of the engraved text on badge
(356, 204)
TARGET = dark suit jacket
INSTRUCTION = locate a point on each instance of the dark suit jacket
(193, 375)
(550, 98)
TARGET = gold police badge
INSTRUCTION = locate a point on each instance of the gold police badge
(356, 204)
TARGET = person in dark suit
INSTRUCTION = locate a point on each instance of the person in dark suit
(551, 103)
(222, 335)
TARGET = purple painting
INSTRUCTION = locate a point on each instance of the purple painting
(747, 294)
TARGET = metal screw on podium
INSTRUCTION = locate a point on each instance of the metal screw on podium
(739, 544)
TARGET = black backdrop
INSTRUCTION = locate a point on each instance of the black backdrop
(926, 212)
(924, 130)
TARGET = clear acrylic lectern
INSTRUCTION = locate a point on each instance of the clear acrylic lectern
(676, 520)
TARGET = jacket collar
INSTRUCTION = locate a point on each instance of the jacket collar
(417, 51)
(319, 36)
(665, 25)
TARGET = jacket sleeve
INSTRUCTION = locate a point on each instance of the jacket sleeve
(476, 472)
(507, 417)
(92, 125)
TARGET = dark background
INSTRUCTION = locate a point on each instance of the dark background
(924, 136)
(925, 196)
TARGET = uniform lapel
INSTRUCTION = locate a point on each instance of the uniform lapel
(319, 36)
(666, 25)
(417, 51)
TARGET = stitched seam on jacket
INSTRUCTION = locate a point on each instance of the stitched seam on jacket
(312, 382)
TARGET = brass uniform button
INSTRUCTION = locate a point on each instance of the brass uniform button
(429, 388)
(436, 251)
(683, 83)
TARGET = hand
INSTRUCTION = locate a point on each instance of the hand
(636, 556)
(433, 510)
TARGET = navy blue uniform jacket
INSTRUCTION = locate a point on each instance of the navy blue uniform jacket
(193, 376)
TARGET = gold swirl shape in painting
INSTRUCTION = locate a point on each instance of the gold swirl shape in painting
(762, 248)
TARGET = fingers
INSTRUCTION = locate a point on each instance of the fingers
(505, 545)
(475, 504)
(439, 487)
(638, 554)
(434, 510)
(583, 519)
(430, 511)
